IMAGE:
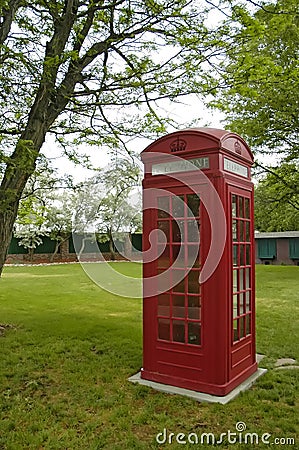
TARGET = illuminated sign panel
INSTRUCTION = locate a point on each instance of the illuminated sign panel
(180, 166)
(232, 166)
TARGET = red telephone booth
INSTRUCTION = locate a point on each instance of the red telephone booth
(198, 272)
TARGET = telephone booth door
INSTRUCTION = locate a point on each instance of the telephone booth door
(173, 318)
(242, 298)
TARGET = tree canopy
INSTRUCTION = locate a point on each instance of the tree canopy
(258, 79)
(277, 200)
(97, 72)
(87, 68)
(92, 72)
(110, 209)
(257, 88)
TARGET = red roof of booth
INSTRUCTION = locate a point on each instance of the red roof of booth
(197, 139)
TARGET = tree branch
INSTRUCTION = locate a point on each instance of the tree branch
(279, 177)
(8, 14)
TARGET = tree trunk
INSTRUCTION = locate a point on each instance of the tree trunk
(8, 14)
(111, 247)
(7, 219)
(57, 245)
(128, 246)
(21, 164)
(48, 103)
(19, 168)
(31, 254)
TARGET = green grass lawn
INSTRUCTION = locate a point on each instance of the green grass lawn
(64, 367)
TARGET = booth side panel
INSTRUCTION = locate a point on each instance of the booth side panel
(149, 302)
(216, 290)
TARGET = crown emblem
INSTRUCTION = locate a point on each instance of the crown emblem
(238, 147)
(178, 145)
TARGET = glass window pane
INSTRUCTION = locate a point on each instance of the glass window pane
(247, 275)
(193, 256)
(248, 324)
(234, 229)
(163, 207)
(176, 235)
(178, 255)
(193, 307)
(178, 306)
(193, 282)
(247, 208)
(235, 280)
(235, 305)
(178, 206)
(242, 327)
(194, 333)
(193, 205)
(177, 230)
(241, 280)
(164, 305)
(164, 329)
(175, 251)
(234, 206)
(163, 281)
(247, 255)
(248, 301)
(241, 231)
(242, 255)
(242, 303)
(236, 332)
(193, 231)
(235, 255)
(178, 331)
(247, 232)
(178, 278)
(240, 206)
(163, 225)
(164, 258)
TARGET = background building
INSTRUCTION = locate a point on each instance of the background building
(277, 248)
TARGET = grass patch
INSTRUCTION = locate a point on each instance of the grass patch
(66, 359)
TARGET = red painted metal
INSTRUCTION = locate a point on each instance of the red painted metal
(199, 335)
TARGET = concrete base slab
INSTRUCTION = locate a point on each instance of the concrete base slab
(199, 396)
(259, 357)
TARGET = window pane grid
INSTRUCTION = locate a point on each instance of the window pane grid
(241, 259)
(241, 230)
(179, 310)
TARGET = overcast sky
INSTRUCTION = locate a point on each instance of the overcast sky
(191, 108)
